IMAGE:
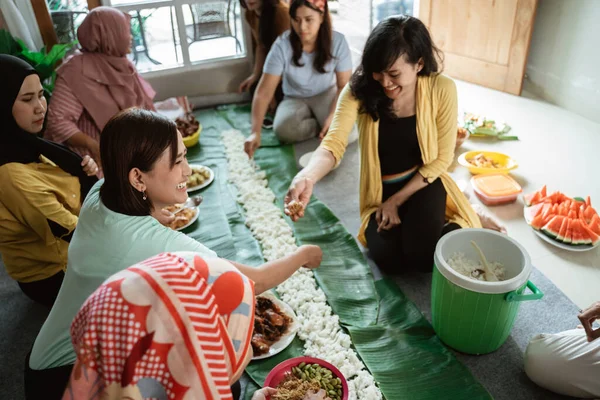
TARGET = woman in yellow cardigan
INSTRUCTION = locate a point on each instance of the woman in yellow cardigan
(406, 113)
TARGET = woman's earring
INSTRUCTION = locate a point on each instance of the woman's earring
(144, 195)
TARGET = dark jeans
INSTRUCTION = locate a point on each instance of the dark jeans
(410, 245)
(44, 291)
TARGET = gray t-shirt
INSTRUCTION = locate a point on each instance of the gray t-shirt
(305, 81)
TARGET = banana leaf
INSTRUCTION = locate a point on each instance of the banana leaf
(406, 357)
(391, 336)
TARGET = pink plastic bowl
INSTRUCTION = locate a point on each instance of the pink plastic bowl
(277, 374)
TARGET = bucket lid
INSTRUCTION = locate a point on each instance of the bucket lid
(496, 185)
(489, 239)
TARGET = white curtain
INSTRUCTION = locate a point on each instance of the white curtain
(21, 22)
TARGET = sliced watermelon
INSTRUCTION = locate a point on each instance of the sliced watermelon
(594, 224)
(572, 214)
(563, 230)
(537, 222)
(594, 238)
(552, 228)
(531, 212)
(577, 236)
(588, 213)
(535, 197)
(588, 201)
(563, 210)
(543, 217)
(583, 237)
(569, 234)
(531, 198)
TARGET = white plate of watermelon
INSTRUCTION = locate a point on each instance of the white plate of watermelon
(570, 223)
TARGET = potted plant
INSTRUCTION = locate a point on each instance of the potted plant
(43, 61)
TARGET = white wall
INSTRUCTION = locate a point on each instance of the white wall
(564, 58)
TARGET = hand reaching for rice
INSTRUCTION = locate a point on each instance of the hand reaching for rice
(297, 197)
(312, 254)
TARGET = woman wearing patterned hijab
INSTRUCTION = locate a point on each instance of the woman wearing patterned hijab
(96, 83)
(176, 326)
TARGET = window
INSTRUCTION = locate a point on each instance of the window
(180, 33)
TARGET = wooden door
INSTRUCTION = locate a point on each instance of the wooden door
(484, 41)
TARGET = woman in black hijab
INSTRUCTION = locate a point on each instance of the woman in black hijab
(42, 186)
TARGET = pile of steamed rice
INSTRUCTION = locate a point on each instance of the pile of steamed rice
(472, 269)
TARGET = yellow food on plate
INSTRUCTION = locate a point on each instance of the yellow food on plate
(198, 177)
(183, 217)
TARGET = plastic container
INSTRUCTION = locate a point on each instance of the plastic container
(496, 189)
(472, 316)
(278, 373)
(506, 164)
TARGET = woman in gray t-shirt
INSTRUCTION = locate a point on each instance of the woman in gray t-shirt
(314, 64)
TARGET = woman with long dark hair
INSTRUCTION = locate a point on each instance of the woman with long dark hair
(313, 62)
(406, 112)
(267, 20)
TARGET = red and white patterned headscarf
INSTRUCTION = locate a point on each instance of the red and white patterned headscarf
(175, 326)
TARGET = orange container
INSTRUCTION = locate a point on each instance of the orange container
(496, 189)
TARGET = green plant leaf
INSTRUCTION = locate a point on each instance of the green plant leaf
(8, 44)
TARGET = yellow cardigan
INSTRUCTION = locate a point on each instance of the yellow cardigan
(437, 110)
(30, 196)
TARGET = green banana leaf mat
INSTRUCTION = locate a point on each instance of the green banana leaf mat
(392, 337)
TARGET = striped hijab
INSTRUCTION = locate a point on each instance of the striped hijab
(175, 326)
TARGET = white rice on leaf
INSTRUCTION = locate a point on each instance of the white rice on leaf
(319, 327)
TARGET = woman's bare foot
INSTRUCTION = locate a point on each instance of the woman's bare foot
(487, 220)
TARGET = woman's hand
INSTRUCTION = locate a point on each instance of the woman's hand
(165, 217)
(587, 318)
(300, 190)
(325, 127)
(89, 166)
(94, 148)
(251, 144)
(247, 83)
(313, 255)
(387, 214)
(263, 393)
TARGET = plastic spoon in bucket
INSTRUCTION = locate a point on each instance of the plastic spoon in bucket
(489, 274)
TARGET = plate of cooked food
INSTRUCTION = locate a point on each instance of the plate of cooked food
(307, 378)
(201, 177)
(275, 326)
(185, 216)
(485, 162)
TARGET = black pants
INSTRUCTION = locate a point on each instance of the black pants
(50, 384)
(44, 291)
(46, 384)
(410, 245)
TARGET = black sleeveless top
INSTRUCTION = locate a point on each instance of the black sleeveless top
(398, 144)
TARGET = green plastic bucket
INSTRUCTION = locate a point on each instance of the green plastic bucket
(476, 317)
